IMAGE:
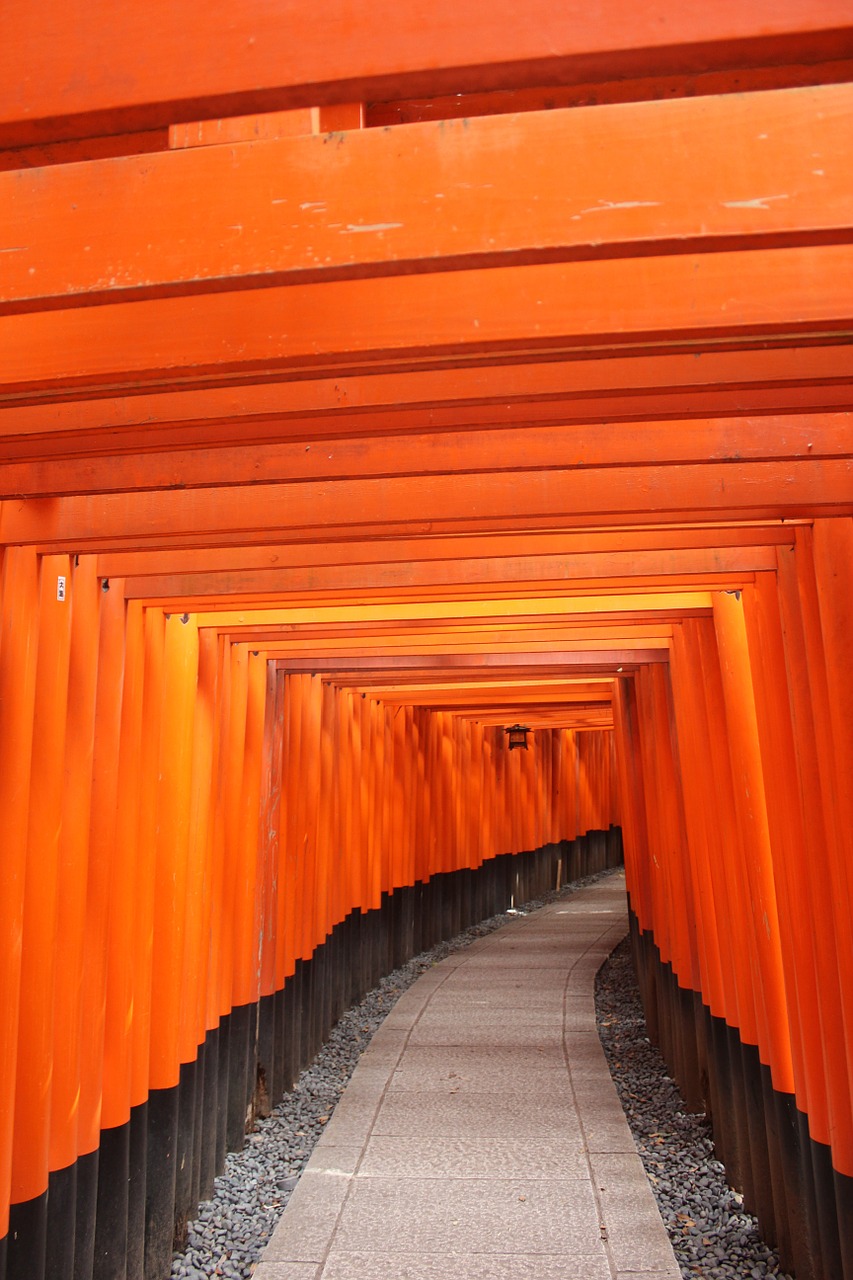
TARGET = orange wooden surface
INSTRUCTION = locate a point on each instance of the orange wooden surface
(101, 883)
(650, 178)
(809, 436)
(85, 599)
(798, 924)
(145, 913)
(174, 794)
(40, 930)
(691, 729)
(122, 962)
(662, 301)
(610, 387)
(750, 808)
(222, 63)
(574, 499)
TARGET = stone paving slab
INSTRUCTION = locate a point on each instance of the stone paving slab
(481, 1137)
(466, 1266)
(553, 1155)
(521, 1117)
(438, 1215)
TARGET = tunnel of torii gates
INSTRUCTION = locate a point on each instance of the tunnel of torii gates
(375, 378)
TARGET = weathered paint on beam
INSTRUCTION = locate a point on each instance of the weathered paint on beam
(649, 178)
(226, 60)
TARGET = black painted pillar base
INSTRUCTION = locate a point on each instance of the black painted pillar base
(160, 1181)
(27, 1239)
(110, 1252)
(184, 1154)
(86, 1214)
(61, 1221)
(136, 1192)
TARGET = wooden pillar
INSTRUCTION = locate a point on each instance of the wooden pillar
(38, 940)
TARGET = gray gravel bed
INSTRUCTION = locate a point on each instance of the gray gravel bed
(711, 1234)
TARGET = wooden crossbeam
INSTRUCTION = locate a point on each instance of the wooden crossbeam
(462, 503)
(468, 106)
(592, 662)
(696, 299)
(221, 560)
(177, 60)
(601, 606)
(651, 178)
(721, 566)
(603, 389)
(768, 438)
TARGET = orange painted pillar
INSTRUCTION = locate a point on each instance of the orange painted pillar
(822, 778)
(218, 993)
(102, 845)
(247, 906)
(797, 923)
(180, 676)
(290, 801)
(269, 835)
(661, 824)
(423, 795)
(198, 924)
(347, 852)
(699, 814)
(85, 602)
(357, 803)
(154, 640)
(19, 618)
(325, 813)
(728, 858)
(123, 904)
(30, 1153)
(281, 872)
(750, 806)
(400, 721)
(635, 828)
(412, 732)
(231, 780)
(375, 762)
(832, 550)
(311, 732)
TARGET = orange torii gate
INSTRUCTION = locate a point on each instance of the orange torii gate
(367, 384)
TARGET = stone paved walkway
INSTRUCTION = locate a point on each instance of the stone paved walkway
(481, 1137)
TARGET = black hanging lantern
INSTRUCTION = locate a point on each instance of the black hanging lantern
(517, 736)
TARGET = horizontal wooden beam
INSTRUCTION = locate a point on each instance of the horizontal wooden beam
(563, 633)
(768, 438)
(176, 60)
(359, 509)
(641, 620)
(555, 97)
(729, 566)
(556, 718)
(494, 692)
(224, 560)
(593, 662)
(694, 299)
(648, 178)
(475, 643)
(592, 604)
(361, 403)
